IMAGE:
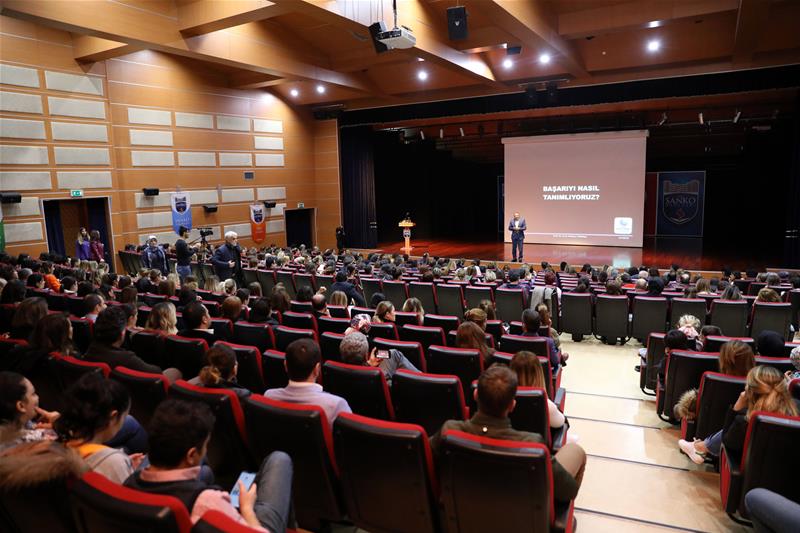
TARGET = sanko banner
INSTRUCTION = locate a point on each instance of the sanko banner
(681, 198)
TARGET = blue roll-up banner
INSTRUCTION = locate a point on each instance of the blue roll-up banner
(681, 198)
(181, 211)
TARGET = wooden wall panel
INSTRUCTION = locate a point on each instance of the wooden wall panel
(152, 80)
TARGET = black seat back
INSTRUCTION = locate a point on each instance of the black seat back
(531, 412)
(426, 336)
(730, 316)
(395, 292)
(446, 322)
(185, 354)
(273, 364)
(684, 371)
(696, 307)
(427, 399)
(258, 335)
(451, 300)
(364, 388)
(425, 293)
(714, 342)
(612, 317)
(516, 343)
(329, 345)
(649, 315)
(149, 347)
(509, 304)
(284, 336)
(147, 391)
(251, 370)
(334, 325)
(576, 313)
(717, 393)
(412, 350)
(768, 316)
(465, 363)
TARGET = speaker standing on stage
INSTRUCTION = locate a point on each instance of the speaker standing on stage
(517, 228)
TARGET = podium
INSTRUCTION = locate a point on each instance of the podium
(406, 225)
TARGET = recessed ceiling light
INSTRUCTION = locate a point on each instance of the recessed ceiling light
(507, 63)
(420, 59)
(321, 89)
(422, 75)
(295, 93)
(544, 59)
(654, 45)
(654, 24)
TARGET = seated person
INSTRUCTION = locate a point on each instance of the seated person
(198, 323)
(319, 306)
(528, 368)
(27, 315)
(354, 349)
(384, 313)
(495, 394)
(261, 313)
(232, 308)
(303, 359)
(109, 334)
(220, 371)
(530, 328)
(52, 333)
(179, 435)
(414, 305)
(94, 304)
(19, 407)
(470, 335)
(162, 318)
(94, 411)
(770, 344)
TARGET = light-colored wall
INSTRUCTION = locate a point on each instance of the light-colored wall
(151, 120)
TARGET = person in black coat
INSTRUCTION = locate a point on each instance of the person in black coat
(227, 259)
(341, 284)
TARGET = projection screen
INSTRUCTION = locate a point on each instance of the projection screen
(585, 188)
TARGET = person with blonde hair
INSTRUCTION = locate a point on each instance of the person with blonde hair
(229, 287)
(413, 305)
(768, 295)
(162, 318)
(384, 313)
(488, 307)
(220, 371)
(765, 390)
(211, 283)
(338, 298)
(529, 371)
(478, 316)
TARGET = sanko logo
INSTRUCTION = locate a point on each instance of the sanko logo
(680, 203)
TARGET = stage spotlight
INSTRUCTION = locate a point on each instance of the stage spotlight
(295, 93)
(544, 58)
(700, 118)
(663, 118)
(654, 45)
(737, 116)
(461, 131)
(507, 63)
(422, 75)
(321, 89)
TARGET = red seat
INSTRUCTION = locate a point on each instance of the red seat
(147, 391)
(101, 505)
(228, 454)
(516, 343)
(334, 325)
(273, 364)
(329, 345)
(401, 318)
(465, 363)
(284, 336)
(251, 371)
(300, 307)
(259, 335)
(446, 322)
(299, 320)
(411, 349)
(149, 347)
(426, 336)
(400, 494)
(219, 522)
(185, 354)
(365, 388)
(428, 399)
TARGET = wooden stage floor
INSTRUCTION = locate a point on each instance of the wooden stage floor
(662, 253)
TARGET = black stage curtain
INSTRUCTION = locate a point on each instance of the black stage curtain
(358, 187)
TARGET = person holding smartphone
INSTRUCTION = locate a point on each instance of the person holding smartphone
(355, 351)
(179, 435)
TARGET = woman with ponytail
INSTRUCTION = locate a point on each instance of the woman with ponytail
(220, 371)
(765, 390)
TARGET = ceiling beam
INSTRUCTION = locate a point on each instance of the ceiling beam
(205, 16)
(414, 14)
(125, 24)
(531, 23)
(750, 25)
(253, 80)
(87, 49)
(636, 15)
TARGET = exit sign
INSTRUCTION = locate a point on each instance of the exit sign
(76, 193)
(300, 205)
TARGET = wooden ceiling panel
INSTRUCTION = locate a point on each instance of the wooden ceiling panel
(401, 78)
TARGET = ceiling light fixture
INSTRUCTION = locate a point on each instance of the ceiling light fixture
(321, 89)
(653, 45)
(441, 133)
(737, 116)
(461, 131)
(700, 118)
(422, 75)
(420, 59)
(507, 63)
(663, 118)
(295, 93)
(422, 135)
(544, 58)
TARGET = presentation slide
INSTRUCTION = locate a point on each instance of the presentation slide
(585, 188)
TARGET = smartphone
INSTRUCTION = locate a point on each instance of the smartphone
(247, 479)
(382, 354)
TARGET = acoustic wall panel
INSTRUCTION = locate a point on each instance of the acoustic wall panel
(28, 207)
(276, 211)
(269, 160)
(24, 232)
(276, 226)
(24, 181)
(22, 129)
(238, 195)
(154, 220)
(242, 230)
(197, 159)
(23, 155)
(267, 126)
(271, 193)
(20, 76)
(20, 102)
(72, 131)
(73, 107)
(151, 137)
(152, 159)
(227, 122)
(194, 120)
(73, 83)
(82, 156)
(163, 199)
(269, 143)
(99, 179)
(157, 117)
(233, 159)
(170, 237)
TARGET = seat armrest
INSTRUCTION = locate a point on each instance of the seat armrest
(730, 481)
(565, 517)
(557, 377)
(558, 436)
(688, 428)
(560, 398)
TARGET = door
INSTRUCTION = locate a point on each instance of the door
(64, 218)
(300, 226)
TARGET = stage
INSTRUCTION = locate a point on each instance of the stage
(661, 252)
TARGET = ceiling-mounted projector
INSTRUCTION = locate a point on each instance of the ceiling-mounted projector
(401, 37)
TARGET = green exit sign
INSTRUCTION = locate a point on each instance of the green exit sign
(76, 193)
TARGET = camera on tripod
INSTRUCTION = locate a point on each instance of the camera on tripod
(205, 232)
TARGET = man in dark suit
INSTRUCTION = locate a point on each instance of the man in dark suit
(517, 227)
(227, 259)
(198, 323)
(341, 284)
(530, 328)
(495, 394)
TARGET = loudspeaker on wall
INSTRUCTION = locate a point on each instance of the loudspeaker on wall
(457, 23)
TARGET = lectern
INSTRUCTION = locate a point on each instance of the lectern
(406, 225)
